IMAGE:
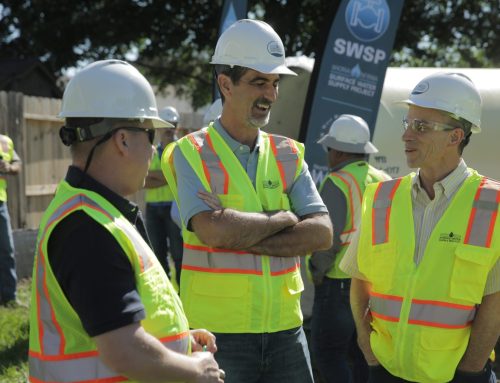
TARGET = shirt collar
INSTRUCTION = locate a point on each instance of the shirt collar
(230, 141)
(449, 184)
(77, 179)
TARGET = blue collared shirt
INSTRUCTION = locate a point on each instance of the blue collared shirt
(303, 195)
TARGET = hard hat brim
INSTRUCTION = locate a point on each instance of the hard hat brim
(330, 142)
(262, 68)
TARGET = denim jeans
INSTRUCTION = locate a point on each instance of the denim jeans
(164, 235)
(334, 346)
(280, 357)
(8, 277)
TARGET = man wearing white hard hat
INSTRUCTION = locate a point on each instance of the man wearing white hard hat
(425, 290)
(102, 308)
(333, 336)
(162, 230)
(250, 209)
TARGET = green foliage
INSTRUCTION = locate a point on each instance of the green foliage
(172, 40)
(14, 336)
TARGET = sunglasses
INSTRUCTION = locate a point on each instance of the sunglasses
(421, 126)
(150, 131)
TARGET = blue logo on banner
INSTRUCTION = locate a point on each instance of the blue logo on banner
(367, 20)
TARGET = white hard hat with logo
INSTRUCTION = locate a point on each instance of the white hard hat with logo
(213, 112)
(252, 44)
(170, 114)
(349, 134)
(111, 89)
(454, 93)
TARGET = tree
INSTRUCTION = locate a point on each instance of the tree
(172, 40)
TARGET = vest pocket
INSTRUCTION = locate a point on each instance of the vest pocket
(470, 272)
(233, 201)
(441, 350)
(218, 301)
(290, 307)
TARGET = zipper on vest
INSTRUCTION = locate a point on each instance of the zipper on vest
(403, 326)
(266, 299)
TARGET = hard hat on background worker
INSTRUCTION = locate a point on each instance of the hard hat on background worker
(213, 112)
(170, 114)
(110, 89)
(454, 93)
(251, 44)
(349, 134)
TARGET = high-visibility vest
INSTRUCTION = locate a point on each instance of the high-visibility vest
(232, 291)
(6, 153)
(59, 348)
(351, 180)
(422, 315)
(162, 193)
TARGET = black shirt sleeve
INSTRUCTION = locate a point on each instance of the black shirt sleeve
(94, 274)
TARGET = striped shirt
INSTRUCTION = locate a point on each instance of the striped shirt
(426, 214)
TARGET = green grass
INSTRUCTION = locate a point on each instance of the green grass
(14, 335)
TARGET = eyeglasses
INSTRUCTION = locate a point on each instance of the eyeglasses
(421, 126)
(150, 131)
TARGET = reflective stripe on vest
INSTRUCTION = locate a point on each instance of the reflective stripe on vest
(233, 261)
(382, 210)
(84, 365)
(354, 201)
(215, 172)
(422, 312)
(481, 220)
(484, 213)
(282, 147)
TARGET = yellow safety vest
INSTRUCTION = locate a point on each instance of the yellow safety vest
(162, 193)
(7, 153)
(59, 348)
(422, 315)
(231, 291)
(351, 180)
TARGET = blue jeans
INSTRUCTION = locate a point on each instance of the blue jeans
(280, 357)
(164, 233)
(8, 277)
(333, 334)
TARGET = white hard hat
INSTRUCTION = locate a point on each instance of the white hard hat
(170, 114)
(213, 112)
(349, 134)
(110, 89)
(252, 44)
(454, 93)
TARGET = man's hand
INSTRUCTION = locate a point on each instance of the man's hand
(208, 369)
(4, 166)
(203, 340)
(211, 199)
(364, 340)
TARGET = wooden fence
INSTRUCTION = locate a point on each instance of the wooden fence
(32, 124)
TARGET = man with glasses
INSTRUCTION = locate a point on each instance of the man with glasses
(102, 307)
(425, 272)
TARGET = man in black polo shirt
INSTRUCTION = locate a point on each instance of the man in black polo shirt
(103, 308)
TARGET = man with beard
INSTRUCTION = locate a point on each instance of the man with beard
(249, 209)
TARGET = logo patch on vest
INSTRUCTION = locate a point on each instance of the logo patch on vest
(450, 237)
(268, 184)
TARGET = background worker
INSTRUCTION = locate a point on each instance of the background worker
(333, 333)
(10, 164)
(99, 293)
(164, 234)
(250, 209)
(425, 290)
